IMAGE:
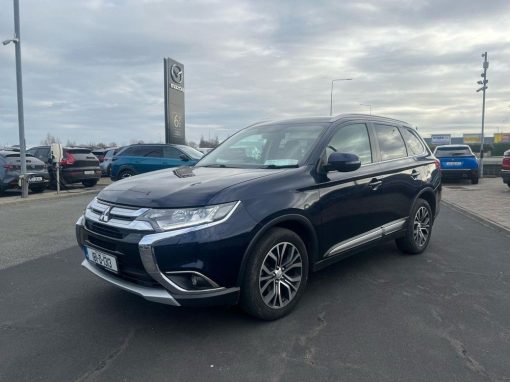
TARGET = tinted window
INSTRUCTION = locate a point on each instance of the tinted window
(414, 145)
(109, 154)
(453, 151)
(352, 139)
(136, 151)
(391, 143)
(154, 152)
(171, 152)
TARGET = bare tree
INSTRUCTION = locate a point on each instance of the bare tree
(50, 139)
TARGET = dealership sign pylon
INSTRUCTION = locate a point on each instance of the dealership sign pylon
(174, 102)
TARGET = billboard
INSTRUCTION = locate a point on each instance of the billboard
(472, 139)
(502, 138)
(441, 139)
(174, 102)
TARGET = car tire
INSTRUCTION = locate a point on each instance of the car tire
(508, 184)
(127, 173)
(275, 276)
(38, 189)
(474, 180)
(89, 182)
(419, 229)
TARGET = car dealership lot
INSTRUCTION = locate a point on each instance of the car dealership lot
(378, 316)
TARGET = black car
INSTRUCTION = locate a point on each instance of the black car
(10, 170)
(255, 216)
(78, 165)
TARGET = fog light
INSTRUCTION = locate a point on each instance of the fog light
(191, 280)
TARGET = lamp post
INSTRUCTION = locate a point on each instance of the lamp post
(484, 87)
(331, 102)
(369, 105)
(19, 82)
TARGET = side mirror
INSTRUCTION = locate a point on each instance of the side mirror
(343, 162)
(184, 157)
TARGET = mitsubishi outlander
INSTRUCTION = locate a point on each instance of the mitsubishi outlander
(253, 218)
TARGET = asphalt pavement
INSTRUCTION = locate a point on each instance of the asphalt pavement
(378, 316)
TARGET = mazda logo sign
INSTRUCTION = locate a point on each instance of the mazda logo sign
(176, 73)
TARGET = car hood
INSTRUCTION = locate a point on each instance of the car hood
(181, 187)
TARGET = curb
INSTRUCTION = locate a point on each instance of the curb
(63, 194)
(479, 218)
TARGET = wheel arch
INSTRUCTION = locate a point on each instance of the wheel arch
(429, 196)
(297, 223)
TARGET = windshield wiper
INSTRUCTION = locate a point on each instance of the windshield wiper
(218, 165)
(272, 166)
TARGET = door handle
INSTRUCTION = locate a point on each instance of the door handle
(415, 174)
(375, 183)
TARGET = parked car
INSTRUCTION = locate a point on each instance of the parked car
(10, 170)
(247, 225)
(79, 165)
(106, 164)
(457, 162)
(100, 154)
(505, 168)
(139, 158)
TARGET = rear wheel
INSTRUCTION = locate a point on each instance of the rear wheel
(126, 174)
(419, 229)
(276, 275)
(508, 184)
(89, 182)
(474, 179)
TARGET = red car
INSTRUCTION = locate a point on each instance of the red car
(505, 168)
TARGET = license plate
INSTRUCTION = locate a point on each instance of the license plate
(453, 163)
(35, 179)
(105, 260)
(89, 172)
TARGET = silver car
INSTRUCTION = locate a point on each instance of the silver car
(10, 169)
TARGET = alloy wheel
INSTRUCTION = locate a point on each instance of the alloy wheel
(421, 226)
(280, 275)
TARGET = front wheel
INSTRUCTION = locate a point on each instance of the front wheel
(276, 275)
(127, 173)
(508, 184)
(419, 229)
(474, 180)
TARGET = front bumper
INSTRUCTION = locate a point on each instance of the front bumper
(147, 260)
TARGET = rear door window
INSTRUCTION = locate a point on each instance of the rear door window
(390, 140)
(414, 144)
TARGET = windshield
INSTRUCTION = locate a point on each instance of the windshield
(194, 154)
(269, 146)
(453, 152)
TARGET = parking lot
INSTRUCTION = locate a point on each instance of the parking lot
(378, 316)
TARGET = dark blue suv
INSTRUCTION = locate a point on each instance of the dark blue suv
(255, 216)
(139, 158)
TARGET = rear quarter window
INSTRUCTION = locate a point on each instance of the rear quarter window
(414, 144)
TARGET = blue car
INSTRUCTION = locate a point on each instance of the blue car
(140, 158)
(457, 162)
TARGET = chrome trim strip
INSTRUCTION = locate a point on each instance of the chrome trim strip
(80, 221)
(152, 294)
(136, 225)
(366, 237)
(505, 170)
(458, 169)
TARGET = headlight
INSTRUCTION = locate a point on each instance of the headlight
(165, 220)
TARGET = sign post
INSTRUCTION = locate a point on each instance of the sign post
(174, 102)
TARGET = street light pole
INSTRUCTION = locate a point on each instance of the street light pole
(484, 87)
(366, 104)
(331, 102)
(19, 82)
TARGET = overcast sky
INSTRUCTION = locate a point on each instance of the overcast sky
(93, 70)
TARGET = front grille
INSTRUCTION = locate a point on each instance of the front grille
(105, 230)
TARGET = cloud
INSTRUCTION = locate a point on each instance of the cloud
(93, 70)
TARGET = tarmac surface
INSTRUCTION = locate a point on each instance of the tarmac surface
(378, 316)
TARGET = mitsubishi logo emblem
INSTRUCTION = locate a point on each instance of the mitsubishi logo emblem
(105, 216)
(176, 73)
